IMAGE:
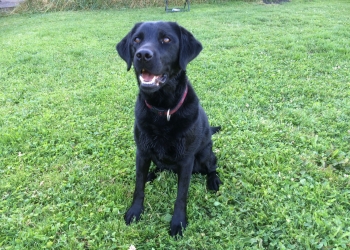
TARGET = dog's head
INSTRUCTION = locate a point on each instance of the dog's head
(158, 51)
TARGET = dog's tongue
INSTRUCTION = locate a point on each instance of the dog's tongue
(147, 77)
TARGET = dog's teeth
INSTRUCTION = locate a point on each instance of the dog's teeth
(152, 82)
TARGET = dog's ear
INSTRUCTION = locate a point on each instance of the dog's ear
(124, 47)
(190, 47)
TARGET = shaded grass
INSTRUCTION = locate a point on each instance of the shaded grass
(275, 77)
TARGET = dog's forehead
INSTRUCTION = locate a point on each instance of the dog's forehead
(156, 27)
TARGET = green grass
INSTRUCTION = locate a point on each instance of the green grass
(275, 77)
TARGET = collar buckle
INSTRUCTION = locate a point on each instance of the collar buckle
(168, 115)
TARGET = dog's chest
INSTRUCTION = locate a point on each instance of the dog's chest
(162, 144)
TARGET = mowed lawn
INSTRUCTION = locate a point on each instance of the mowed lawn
(275, 77)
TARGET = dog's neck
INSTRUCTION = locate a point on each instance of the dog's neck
(169, 112)
(170, 95)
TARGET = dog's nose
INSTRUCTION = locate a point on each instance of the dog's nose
(144, 55)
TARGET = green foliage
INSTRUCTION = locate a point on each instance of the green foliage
(275, 77)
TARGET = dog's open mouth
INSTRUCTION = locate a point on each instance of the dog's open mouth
(147, 78)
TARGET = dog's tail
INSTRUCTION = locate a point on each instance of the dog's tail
(215, 129)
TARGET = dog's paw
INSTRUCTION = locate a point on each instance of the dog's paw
(177, 225)
(213, 181)
(134, 212)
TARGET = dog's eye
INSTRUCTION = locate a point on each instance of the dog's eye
(166, 40)
(137, 40)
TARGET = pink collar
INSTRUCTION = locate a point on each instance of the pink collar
(168, 112)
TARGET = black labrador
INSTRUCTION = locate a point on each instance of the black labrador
(171, 128)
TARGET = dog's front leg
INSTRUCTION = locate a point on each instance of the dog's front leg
(143, 163)
(179, 219)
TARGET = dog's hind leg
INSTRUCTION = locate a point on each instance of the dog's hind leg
(213, 181)
(206, 164)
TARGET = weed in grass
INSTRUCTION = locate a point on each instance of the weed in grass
(275, 77)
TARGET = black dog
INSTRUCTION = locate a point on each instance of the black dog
(171, 128)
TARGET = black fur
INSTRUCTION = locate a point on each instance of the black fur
(182, 144)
